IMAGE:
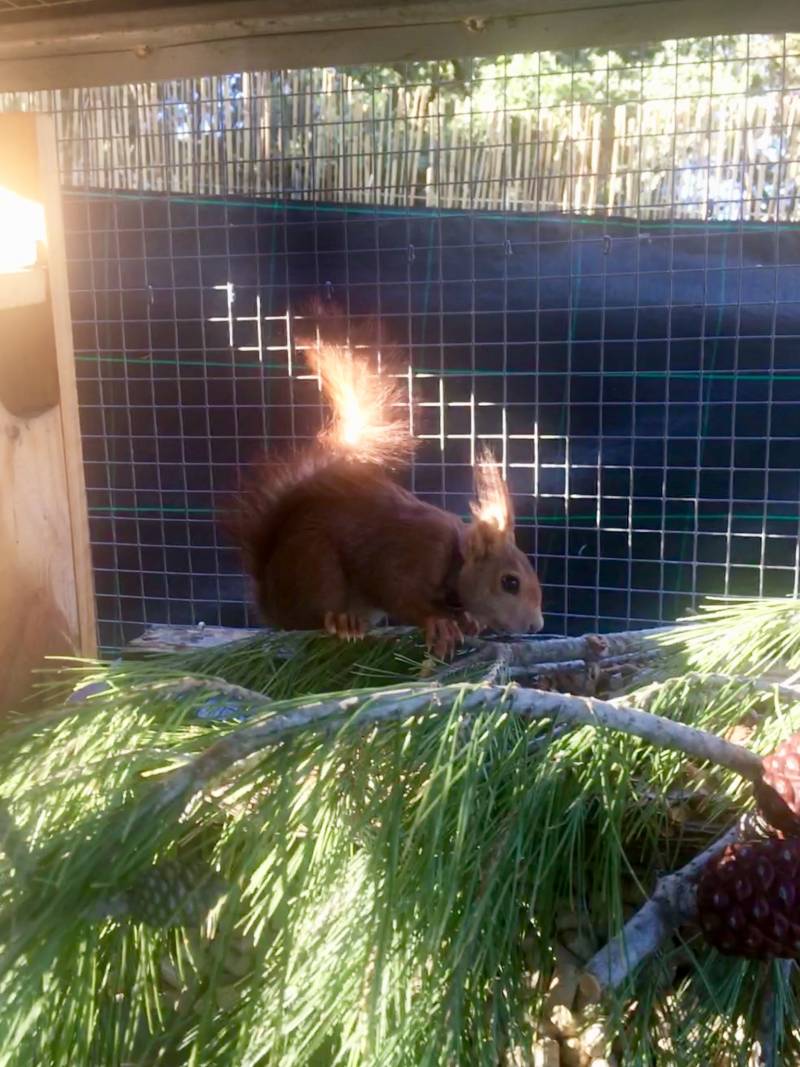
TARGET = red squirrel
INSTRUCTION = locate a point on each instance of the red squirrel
(333, 542)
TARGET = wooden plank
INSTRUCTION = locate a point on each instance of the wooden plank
(157, 24)
(46, 594)
(23, 288)
(68, 407)
(363, 33)
(38, 606)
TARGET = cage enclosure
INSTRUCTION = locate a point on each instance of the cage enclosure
(586, 258)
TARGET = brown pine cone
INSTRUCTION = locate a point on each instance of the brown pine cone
(748, 899)
(778, 792)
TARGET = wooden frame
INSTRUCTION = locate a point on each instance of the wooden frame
(47, 603)
(112, 43)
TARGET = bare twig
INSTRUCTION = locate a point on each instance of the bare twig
(586, 678)
(588, 647)
(605, 663)
(524, 665)
(672, 904)
(395, 705)
(497, 674)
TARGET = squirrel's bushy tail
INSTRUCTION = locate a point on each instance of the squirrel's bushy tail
(368, 423)
(369, 416)
(253, 517)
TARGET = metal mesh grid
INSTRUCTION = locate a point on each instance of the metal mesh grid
(689, 129)
(633, 358)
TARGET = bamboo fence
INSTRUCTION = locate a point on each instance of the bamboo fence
(321, 135)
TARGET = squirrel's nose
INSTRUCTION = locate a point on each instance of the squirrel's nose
(537, 625)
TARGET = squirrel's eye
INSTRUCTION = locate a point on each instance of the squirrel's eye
(510, 584)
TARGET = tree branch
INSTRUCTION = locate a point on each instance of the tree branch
(188, 683)
(529, 659)
(567, 665)
(658, 731)
(672, 904)
(395, 705)
(588, 647)
(587, 678)
(787, 691)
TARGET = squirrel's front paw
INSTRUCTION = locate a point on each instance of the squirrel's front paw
(442, 635)
(469, 625)
(346, 627)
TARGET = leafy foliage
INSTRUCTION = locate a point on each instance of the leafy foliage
(736, 64)
(392, 894)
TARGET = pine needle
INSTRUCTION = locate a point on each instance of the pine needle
(391, 894)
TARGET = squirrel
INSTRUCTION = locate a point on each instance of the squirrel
(333, 542)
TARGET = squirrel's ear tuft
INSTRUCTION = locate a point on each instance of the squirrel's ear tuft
(483, 538)
(493, 507)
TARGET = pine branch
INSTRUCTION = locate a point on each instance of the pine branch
(778, 972)
(567, 665)
(395, 705)
(584, 678)
(12, 842)
(788, 691)
(656, 730)
(530, 659)
(672, 904)
(588, 647)
(180, 687)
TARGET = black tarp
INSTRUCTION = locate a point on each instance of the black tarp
(652, 370)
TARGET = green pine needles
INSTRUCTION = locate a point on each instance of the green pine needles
(292, 851)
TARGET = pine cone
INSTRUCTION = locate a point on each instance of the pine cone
(174, 894)
(748, 899)
(778, 792)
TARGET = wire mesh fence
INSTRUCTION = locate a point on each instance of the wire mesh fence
(587, 260)
(691, 129)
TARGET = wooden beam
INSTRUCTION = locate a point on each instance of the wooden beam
(46, 586)
(82, 570)
(192, 39)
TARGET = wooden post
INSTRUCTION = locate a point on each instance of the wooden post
(46, 589)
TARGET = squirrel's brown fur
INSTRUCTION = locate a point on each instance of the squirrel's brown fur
(334, 542)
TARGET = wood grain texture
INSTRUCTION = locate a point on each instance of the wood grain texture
(68, 408)
(46, 589)
(28, 363)
(38, 601)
